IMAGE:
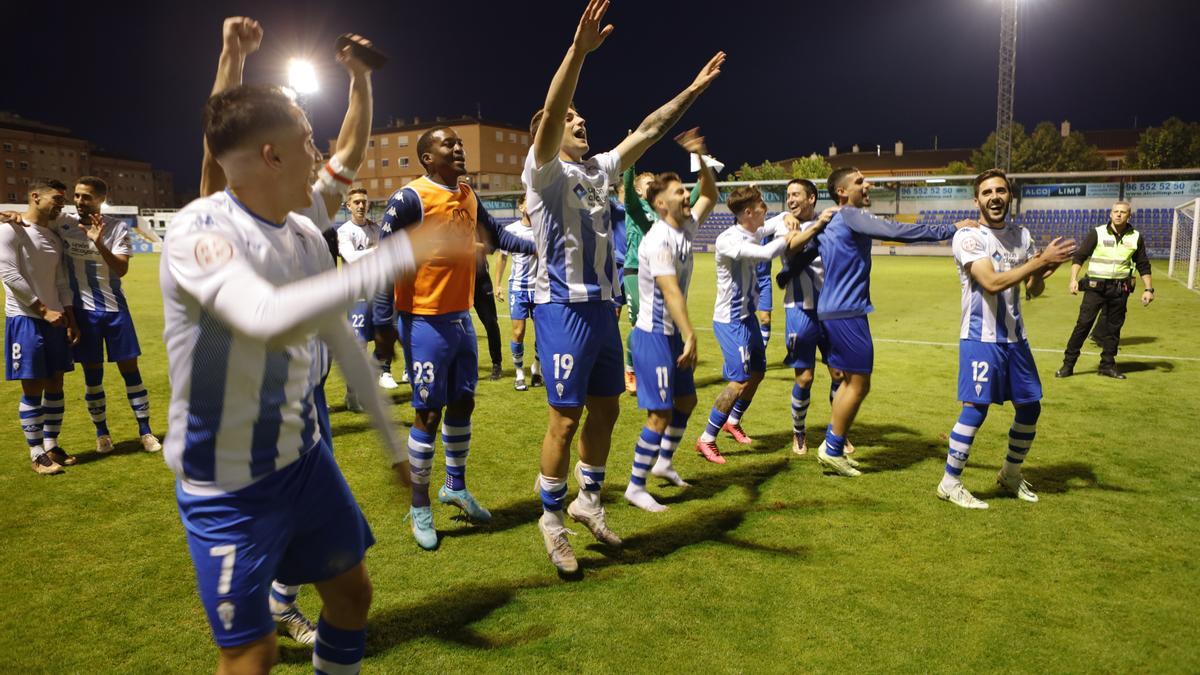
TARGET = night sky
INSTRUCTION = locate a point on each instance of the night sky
(800, 75)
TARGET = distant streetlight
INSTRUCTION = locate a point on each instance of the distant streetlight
(302, 77)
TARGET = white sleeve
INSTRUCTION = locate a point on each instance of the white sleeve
(360, 377)
(968, 246)
(518, 230)
(537, 177)
(211, 267)
(610, 163)
(347, 247)
(661, 258)
(774, 227)
(746, 250)
(118, 241)
(10, 269)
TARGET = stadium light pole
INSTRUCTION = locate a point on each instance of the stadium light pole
(1008, 74)
(302, 77)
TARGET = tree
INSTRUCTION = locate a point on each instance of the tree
(1045, 150)
(1174, 145)
(985, 156)
(956, 168)
(812, 166)
(762, 172)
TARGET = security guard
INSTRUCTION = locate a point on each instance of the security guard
(1115, 249)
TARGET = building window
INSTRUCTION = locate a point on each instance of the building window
(21, 147)
(83, 155)
(512, 159)
(9, 164)
(499, 157)
(11, 180)
(374, 183)
(524, 139)
(403, 162)
(370, 164)
(500, 136)
(384, 141)
(8, 147)
(512, 138)
(384, 162)
(12, 196)
(402, 141)
(387, 182)
(24, 165)
(371, 143)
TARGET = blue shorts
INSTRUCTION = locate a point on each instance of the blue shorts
(995, 372)
(742, 346)
(34, 350)
(804, 336)
(850, 345)
(659, 380)
(765, 293)
(442, 357)
(367, 316)
(520, 305)
(383, 309)
(101, 332)
(299, 525)
(579, 346)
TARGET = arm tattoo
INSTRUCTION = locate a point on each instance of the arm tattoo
(665, 117)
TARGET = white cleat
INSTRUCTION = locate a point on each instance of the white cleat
(668, 471)
(104, 444)
(643, 500)
(959, 496)
(387, 381)
(149, 443)
(295, 625)
(403, 376)
(1018, 487)
(562, 556)
(843, 466)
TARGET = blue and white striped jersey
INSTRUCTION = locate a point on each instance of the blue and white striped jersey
(572, 224)
(241, 408)
(31, 267)
(802, 291)
(738, 254)
(355, 241)
(95, 287)
(524, 265)
(991, 317)
(664, 251)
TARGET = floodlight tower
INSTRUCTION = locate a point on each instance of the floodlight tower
(1008, 73)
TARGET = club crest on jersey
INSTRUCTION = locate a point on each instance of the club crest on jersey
(970, 244)
(213, 251)
(225, 612)
(662, 393)
(424, 392)
(559, 388)
(978, 389)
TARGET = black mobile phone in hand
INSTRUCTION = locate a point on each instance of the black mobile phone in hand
(374, 58)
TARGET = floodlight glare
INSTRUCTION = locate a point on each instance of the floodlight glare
(302, 77)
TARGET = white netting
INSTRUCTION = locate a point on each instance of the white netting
(1183, 263)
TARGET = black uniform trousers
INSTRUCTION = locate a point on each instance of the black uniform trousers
(1111, 296)
(485, 309)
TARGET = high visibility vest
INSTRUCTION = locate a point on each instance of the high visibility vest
(1113, 257)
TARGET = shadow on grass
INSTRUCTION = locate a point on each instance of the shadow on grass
(889, 447)
(449, 616)
(1059, 479)
(131, 446)
(1138, 340)
(1131, 367)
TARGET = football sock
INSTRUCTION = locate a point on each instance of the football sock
(665, 467)
(716, 420)
(456, 442)
(1020, 436)
(553, 492)
(739, 409)
(30, 412)
(961, 437)
(801, 397)
(139, 400)
(338, 651)
(593, 481)
(420, 463)
(834, 443)
(52, 417)
(282, 596)
(645, 452)
(97, 406)
(518, 356)
(765, 331)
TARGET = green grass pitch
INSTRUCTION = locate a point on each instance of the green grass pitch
(764, 565)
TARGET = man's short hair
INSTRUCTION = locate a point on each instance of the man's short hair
(837, 178)
(425, 142)
(537, 118)
(991, 173)
(660, 183)
(742, 198)
(238, 115)
(97, 184)
(810, 189)
(1122, 202)
(41, 184)
(355, 191)
(520, 199)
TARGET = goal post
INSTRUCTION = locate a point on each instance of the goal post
(1185, 238)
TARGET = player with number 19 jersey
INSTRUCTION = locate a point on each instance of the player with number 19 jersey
(995, 362)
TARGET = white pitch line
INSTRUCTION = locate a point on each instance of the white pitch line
(926, 343)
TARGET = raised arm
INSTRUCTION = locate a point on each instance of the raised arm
(635, 212)
(240, 37)
(693, 142)
(94, 230)
(356, 128)
(746, 250)
(501, 237)
(588, 37)
(865, 222)
(660, 121)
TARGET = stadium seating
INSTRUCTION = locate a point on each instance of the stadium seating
(1045, 224)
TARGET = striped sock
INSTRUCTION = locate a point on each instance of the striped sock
(593, 481)
(52, 417)
(801, 397)
(139, 400)
(764, 329)
(338, 651)
(672, 436)
(456, 443)
(1020, 436)
(94, 398)
(834, 385)
(716, 420)
(644, 454)
(30, 412)
(420, 463)
(833, 443)
(518, 357)
(282, 596)
(961, 437)
(553, 492)
(739, 409)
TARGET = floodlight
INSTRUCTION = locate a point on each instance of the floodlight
(302, 77)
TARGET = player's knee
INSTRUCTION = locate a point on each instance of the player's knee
(657, 420)
(804, 378)
(756, 377)
(685, 404)
(1029, 413)
(461, 408)
(975, 413)
(604, 409)
(126, 366)
(256, 657)
(562, 426)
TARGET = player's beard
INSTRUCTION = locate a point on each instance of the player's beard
(987, 214)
